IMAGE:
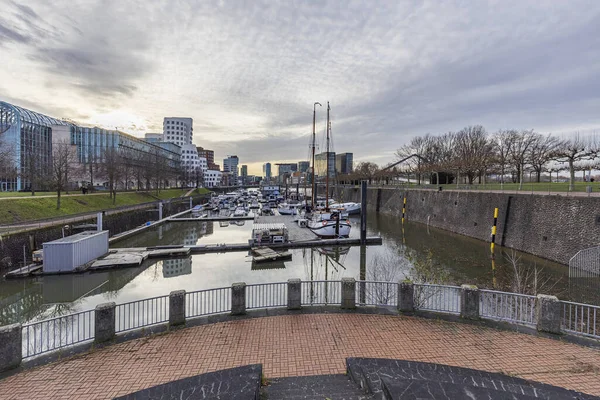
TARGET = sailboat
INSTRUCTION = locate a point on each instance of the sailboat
(328, 222)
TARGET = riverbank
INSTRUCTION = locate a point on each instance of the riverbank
(26, 209)
(551, 227)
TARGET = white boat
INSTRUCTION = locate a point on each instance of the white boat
(254, 204)
(239, 212)
(289, 209)
(329, 224)
(351, 208)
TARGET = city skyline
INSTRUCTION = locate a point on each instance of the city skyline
(248, 74)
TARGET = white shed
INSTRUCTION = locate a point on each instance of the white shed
(68, 253)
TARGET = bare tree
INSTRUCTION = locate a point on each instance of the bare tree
(34, 169)
(503, 142)
(522, 143)
(542, 151)
(63, 157)
(418, 145)
(366, 170)
(111, 168)
(473, 151)
(7, 161)
(576, 149)
(91, 164)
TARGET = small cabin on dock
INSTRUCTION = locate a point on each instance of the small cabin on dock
(267, 233)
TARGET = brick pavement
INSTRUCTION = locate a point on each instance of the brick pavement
(305, 344)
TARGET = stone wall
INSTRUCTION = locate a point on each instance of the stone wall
(552, 227)
(11, 246)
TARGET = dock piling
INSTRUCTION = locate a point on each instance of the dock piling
(363, 212)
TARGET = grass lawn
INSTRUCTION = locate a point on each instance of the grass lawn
(529, 186)
(13, 211)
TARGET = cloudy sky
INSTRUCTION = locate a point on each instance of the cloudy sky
(248, 72)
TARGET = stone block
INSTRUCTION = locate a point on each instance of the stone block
(348, 293)
(177, 307)
(469, 302)
(294, 294)
(548, 314)
(11, 350)
(406, 297)
(105, 325)
(238, 298)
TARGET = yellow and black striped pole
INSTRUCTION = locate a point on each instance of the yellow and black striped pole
(403, 209)
(493, 244)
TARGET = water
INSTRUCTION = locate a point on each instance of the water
(417, 252)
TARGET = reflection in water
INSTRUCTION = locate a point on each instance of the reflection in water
(412, 250)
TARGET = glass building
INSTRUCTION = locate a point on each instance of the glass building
(28, 137)
(321, 164)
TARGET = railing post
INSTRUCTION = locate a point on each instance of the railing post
(294, 287)
(548, 313)
(406, 297)
(11, 346)
(177, 307)
(105, 323)
(348, 293)
(469, 302)
(238, 298)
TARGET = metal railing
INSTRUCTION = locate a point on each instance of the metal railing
(503, 306)
(321, 292)
(266, 295)
(581, 319)
(377, 293)
(438, 298)
(585, 264)
(141, 313)
(56, 333)
(45, 336)
(207, 302)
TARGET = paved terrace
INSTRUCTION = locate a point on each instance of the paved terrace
(306, 344)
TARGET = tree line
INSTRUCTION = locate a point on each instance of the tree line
(118, 168)
(473, 154)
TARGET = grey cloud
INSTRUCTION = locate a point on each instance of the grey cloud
(10, 35)
(26, 9)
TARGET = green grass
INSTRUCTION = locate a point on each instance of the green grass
(13, 211)
(513, 187)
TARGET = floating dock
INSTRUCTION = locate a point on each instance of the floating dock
(212, 219)
(265, 254)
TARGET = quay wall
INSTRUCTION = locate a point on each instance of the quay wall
(549, 226)
(11, 246)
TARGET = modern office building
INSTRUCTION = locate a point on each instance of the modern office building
(230, 165)
(303, 166)
(321, 164)
(343, 163)
(181, 132)
(178, 130)
(29, 136)
(212, 178)
(267, 171)
(32, 136)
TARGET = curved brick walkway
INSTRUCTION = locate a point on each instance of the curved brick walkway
(306, 344)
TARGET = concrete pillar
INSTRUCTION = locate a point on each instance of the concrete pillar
(99, 221)
(294, 288)
(11, 348)
(406, 297)
(160, 210)
(191, 205)
(105, 325)
(177, 307)
(238, 298)
(348, 293)
(469, 302)
(548, 313)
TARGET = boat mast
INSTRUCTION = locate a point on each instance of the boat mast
(327, 170)
(313, 184)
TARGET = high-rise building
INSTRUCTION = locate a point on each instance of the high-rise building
(285, 170)
(343, 163)
(212, 178)
(321, 164)
(181, 132)
(244, 173)
(267, 171)
(230, 165)
(178, 130)
(303, 166)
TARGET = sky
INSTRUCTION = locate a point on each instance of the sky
(248, 72)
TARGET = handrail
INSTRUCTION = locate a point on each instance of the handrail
(39, 337)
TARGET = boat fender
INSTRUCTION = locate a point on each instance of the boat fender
(324, 223)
